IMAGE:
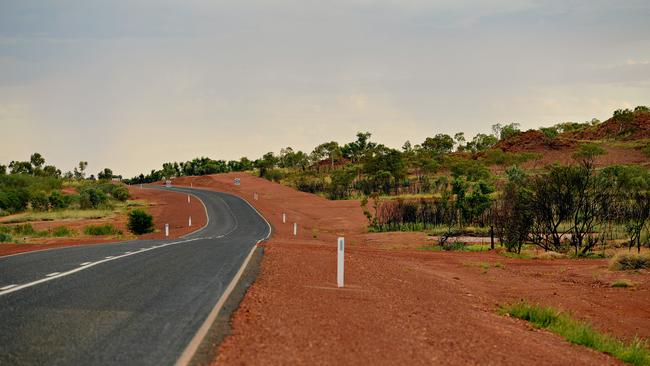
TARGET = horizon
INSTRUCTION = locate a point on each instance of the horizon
(131, 85)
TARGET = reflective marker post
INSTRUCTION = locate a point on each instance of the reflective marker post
(295, 229)
(188, 198)
(284, 218)
(166, 229)
(190, 223)
(340, 261)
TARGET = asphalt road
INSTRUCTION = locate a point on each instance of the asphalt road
(129, 303)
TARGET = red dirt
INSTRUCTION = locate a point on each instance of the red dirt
(640, 127)
(164, 206)
(406, 306)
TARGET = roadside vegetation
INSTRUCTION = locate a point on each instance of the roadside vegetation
(32, 191)
(635, 352)
(489, 185)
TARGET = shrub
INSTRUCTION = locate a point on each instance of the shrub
(57, 200)
(121, 193)
(629, 261)
(106, 229)
(91, 198)
(24, 229)
(5, 237)
(62, 231)
(140, 222)
(39, 201)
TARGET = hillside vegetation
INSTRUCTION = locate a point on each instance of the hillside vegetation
(451, 183)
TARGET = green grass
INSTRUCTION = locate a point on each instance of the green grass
(106, 229)
(5, 238)
(635, 352)
(521, 255)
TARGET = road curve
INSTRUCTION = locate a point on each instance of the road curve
(131, 303)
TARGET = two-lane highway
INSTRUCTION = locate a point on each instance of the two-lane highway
(130, 303)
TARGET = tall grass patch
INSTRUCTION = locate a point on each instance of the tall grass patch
(630, 261)
(97, 230)
(578, 332)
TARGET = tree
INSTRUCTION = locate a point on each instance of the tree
(37, 161)
(266, 163)
(357, 149)
(51, 171)
(105, 174)
(439, 144)
(80, 171)
(140, 222)
(3, 169)
(330, 149)
(21, 167)
(481, 142)
(512, 214)
(506, 131)
(459, 137)
(57, 200)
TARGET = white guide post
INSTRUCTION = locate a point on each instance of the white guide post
(190, 222)
(255, 196)
(166, 229)
(140, 186)
(340, 261)
(188, 198)
(295, 229)
(190, 184)
(284, 218)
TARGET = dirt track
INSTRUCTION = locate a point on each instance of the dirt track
(401, 305)
(165, 207)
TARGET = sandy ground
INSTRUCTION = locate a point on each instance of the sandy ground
(402, 305)
(164, 206)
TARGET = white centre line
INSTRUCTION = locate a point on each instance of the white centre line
(85, 263)
(56, 275)
(7, 287)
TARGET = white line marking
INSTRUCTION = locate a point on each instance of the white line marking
(79, 269)
(85, 263)
(109, 257)
(52, 274)
(7, 287)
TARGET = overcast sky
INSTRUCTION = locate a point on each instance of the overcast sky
(130, 84)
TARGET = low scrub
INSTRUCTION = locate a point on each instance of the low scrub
(629, 261)
(97, 230)
(550, 255)
(579, 332)
(5, 237)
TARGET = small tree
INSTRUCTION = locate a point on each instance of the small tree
(140, 222)
(39, 201)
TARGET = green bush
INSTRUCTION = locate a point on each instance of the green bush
(106, 229)
(62, 231)
(629, 261)
(5, 238)
(121, 193)
(24, 229)
(140, 222)
(91, 198)
(57, 200)
(39, 201)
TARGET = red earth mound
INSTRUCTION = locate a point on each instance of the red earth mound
(637, 128)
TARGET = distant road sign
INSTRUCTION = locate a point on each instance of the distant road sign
(168, 183)
(237, 181)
